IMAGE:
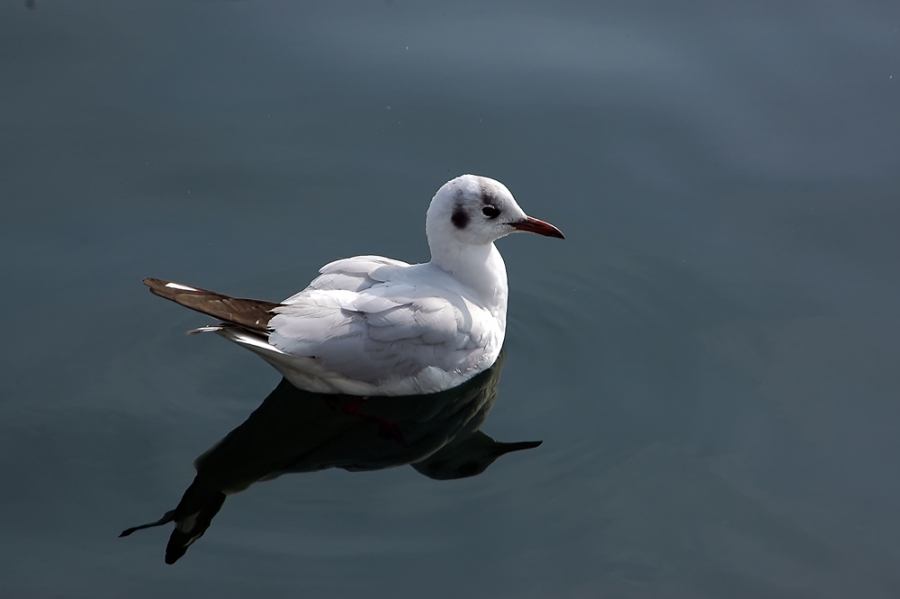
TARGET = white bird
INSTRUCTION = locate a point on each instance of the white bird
(375, 326)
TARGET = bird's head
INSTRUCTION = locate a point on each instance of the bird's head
(477, 210)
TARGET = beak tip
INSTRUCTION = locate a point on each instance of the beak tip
(533, 225)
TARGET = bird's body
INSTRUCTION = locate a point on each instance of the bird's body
(373, 326)
(370, 325)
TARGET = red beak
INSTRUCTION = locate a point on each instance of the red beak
(533, 225)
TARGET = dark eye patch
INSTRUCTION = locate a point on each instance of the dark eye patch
(491, 211)
(459, 218)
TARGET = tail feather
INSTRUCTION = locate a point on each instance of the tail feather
(247, 313)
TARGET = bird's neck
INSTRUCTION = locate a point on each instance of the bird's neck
(478, 267)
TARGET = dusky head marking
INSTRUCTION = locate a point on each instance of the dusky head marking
(459, 218)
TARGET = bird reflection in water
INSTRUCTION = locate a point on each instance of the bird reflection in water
(300, 431)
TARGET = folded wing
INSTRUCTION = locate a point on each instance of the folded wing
(364, 319)
(398, 329)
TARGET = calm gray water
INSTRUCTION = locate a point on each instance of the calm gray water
(710, 358)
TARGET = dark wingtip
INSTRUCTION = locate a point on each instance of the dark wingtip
(154, 284)
(251, 314)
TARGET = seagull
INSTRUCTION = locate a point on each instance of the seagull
(370, 325)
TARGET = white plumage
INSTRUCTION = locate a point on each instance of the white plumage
(375, 326)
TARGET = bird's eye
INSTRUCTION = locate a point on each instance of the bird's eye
(490, 211)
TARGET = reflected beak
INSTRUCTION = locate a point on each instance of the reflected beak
(504, 448)
(533, 225)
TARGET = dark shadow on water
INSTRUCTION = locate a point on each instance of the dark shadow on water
(296, 431)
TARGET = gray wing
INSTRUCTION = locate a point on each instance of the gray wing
(351, 274)
(361, 322)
